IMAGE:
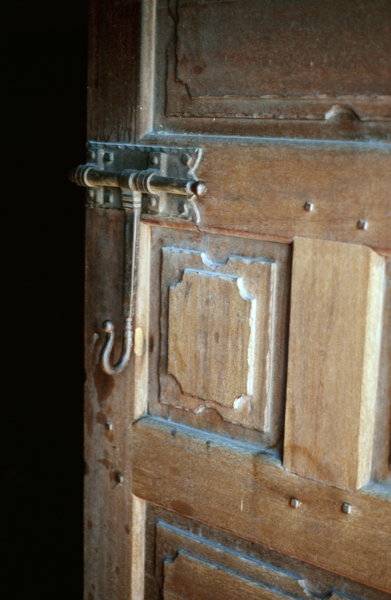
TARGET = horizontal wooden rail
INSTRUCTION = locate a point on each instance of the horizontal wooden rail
(241, 489)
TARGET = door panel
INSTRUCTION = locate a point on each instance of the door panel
(245, 450)
(341, 285)
(168, 534)
(245, 490)
(192, 330)
(287, 69)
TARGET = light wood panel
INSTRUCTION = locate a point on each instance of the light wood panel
(170, 539)
(189, 337)
(220, 335)
(247, 492)
(192, 578)
(167, 532)
(334, 346)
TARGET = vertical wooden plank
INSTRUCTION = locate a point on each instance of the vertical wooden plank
(141, 351)
(382, 439)
(334, 343)
(107, 502)
(114, 70)
(111, 542)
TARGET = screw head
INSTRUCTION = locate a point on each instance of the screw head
(294, 503)
(308, 206)
(346, 508)
(362, 224)
(155, 159)
(119, 478)
(109, 426)
(91, 155)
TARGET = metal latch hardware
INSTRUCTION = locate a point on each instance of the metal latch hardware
(138, 179)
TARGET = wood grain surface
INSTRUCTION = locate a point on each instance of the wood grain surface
(192, 578)
(107, 503)
(297, 59)
(113, 90)
(334, 345)
(220, 334)
(167, 532)
(245, 491)
(265, 270)
(262, 189)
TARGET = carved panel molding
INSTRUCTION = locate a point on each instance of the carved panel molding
(263, 60)
(220, 335)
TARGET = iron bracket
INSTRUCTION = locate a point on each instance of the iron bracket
(173, 164)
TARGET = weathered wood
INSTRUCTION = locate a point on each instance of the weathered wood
(295, 62)
(167, 532)
(273, 70)
(114, 70)
(142, 71)
(334, 345)
(170, 539)
(194, 578)
(201, 366)
(108, 506)
(382, 439)
(220, 335)
(263, 189)
(242, 490)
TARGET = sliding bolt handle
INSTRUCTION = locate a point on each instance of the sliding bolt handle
(147, 182)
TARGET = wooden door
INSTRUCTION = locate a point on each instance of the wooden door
(245, 450)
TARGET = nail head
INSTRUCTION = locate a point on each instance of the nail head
(294, 503)
(346, 508)
(362, 224)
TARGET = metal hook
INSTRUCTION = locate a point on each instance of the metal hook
(132, 207)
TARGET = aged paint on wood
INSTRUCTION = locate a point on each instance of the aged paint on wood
(334, 345)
